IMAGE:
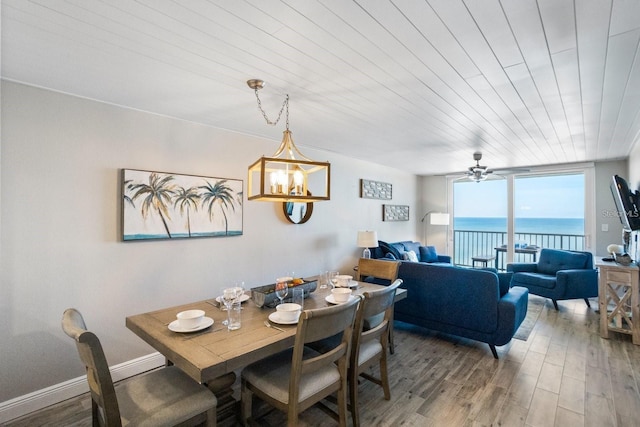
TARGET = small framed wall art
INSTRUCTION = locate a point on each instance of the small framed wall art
(375, 189)
(160, 205)
(395, 212)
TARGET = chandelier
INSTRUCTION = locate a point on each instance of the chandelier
(286, 176)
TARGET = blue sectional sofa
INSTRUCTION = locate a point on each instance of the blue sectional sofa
(400, 250)
(472, 303)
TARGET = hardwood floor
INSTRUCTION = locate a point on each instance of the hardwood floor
(563, 375)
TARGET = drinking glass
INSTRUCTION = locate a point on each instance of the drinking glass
(297, 296)
(282, 288)
(228, 297)
(333, 277)
(324, 279)
(234, 316)
(239, 290)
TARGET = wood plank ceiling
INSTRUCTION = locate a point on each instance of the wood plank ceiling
(415, 84)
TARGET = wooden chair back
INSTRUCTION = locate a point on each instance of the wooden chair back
(373, 322)
(378, 269)
(104, 403)
(315, 325)
(374, 316)
(161, 397)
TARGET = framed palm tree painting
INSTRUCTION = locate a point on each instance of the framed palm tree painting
(159, 205)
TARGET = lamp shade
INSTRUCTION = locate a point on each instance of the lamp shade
(439, 219)
(367, 239)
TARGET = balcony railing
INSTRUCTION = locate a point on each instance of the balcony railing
(468, 243)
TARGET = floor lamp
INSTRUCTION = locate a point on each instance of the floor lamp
(435, 218)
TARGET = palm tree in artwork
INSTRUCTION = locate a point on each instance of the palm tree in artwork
(218, 194)
(186, 199)
(127, 186)
(157, 193)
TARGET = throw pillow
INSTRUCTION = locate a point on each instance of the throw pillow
(428, 254)
(410, 256)
(389, 255)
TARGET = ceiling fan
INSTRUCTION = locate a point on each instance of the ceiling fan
(479, 173)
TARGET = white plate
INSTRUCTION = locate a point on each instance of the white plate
(352, 284)
(175, 326)
(243, 298)
(275, 318)
(331, 300)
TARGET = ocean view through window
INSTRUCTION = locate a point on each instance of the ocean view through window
(522, 225)
(548, 212)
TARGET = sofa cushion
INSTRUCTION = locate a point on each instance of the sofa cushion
(552, 260)
(377, 252)
(399, 248)
(428, 254)
(459, 297)
(504, 280)
(411, 246)
(410, 256)
(534, 279)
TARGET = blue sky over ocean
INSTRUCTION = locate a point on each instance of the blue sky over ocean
(555, 196)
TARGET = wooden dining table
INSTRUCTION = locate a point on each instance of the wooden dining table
(211, 356)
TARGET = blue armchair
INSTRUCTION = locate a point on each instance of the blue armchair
(558, 275)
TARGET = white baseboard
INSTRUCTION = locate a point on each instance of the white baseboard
(40, 399)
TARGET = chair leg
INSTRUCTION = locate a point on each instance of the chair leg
(95, 413)
(211, 418)
(555, 304)
(342, 403)
(493, 350)
(246, 397)
(588, 303)
(292, 417)
(384, 377)
(353, 395)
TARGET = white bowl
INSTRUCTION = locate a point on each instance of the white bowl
(190, 319)
(289, 312)
(343, 280)
(341, 294)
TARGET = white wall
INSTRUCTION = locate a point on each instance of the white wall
(633, 172)
(434, 199)
(60, 222)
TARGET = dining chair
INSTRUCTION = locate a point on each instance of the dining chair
(370, 342)
(163, 397)
(381, 272)
(378, 271)
(297, 378)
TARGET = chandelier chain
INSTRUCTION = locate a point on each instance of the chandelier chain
(285, 105)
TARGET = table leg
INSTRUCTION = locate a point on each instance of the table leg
(603, 302)
(497, 256)
(635, 315)
(227, 408)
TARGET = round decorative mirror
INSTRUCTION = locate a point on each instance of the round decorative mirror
(297, 212)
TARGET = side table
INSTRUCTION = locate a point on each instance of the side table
(482, 259)
(618, 299)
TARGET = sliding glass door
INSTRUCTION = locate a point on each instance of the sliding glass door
(549, 211)
(479, 219)
(511, 219)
